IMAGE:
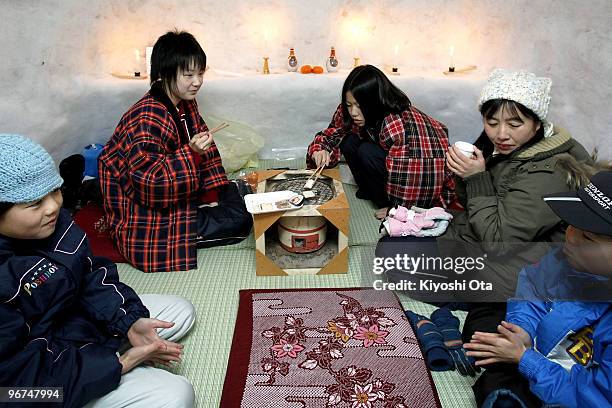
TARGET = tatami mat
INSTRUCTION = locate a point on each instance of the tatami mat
(213, 289)
(222, 272)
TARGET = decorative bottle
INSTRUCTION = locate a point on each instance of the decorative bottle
(292, 62)
(331, 63)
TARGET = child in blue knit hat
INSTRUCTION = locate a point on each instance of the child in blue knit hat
(64, 314)
(558, 329)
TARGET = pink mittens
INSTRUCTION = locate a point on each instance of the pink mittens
(419, 222)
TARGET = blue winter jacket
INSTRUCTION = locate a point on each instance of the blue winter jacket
(570, 363)
(63, 315)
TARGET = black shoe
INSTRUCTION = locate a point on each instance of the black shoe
(71, 170)
(361, 195)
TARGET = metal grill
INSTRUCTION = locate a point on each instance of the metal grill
(322, 188)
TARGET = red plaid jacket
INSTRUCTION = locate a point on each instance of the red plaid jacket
(151, 181)
(416, 146)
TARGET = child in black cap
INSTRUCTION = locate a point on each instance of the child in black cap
(559, 328)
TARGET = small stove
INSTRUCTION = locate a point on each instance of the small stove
(310, 240)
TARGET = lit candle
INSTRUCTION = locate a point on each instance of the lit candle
(451, 51)
(395, 69)
(137, 70)
(355, 32)
(266, 59)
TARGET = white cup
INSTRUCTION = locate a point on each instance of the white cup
(466, 148)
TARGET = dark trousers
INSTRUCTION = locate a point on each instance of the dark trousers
(367, 163)
(425, 247)
(227, 223)
(485, 317)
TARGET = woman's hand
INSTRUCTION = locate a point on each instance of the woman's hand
(321, 158)
(200, 142)
(506, 346)
(155, 352)
(462, 165)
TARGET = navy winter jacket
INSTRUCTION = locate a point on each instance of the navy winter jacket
(63, 315)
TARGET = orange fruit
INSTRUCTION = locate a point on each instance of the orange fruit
(306, 69)
(317, 69)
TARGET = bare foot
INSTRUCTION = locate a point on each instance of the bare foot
(381, 213)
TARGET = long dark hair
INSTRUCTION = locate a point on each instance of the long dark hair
(376, 95)
(491, 107)
(173, 51)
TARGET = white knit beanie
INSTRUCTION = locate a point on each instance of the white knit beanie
(522, 87)
(27, 171)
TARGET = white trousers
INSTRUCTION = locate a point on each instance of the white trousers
(150, 387)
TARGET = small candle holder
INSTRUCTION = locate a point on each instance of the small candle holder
(136, 74)
(356, 62)
(266, 65)
(460, 70)
(395, 71)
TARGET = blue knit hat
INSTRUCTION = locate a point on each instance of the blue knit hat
(27, 171)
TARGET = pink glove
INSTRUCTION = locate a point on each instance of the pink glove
(401, 213)
(435, 213)
(396, 228)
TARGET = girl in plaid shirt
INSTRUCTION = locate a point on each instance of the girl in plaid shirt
(161, 169)
(383, 137)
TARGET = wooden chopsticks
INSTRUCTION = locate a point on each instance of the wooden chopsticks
(311, 182)
(218, 128)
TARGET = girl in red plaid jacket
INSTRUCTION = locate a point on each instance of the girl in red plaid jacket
(161, 169)
(395, 152)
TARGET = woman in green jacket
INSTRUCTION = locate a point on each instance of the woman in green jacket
(519, 157)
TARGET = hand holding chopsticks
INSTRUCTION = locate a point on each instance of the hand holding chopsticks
(311, 181)
(218, 128)
(200, 142)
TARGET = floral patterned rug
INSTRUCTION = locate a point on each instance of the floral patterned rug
(344, 348)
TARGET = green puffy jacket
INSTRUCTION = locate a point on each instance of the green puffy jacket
(504, 203)
(504, 206)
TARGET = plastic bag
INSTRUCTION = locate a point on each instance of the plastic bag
(238, 143)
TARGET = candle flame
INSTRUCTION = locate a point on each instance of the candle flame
(137, 54)
(451, 50)
(396, 49)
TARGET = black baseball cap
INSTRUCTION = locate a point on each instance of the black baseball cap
(589, 208)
